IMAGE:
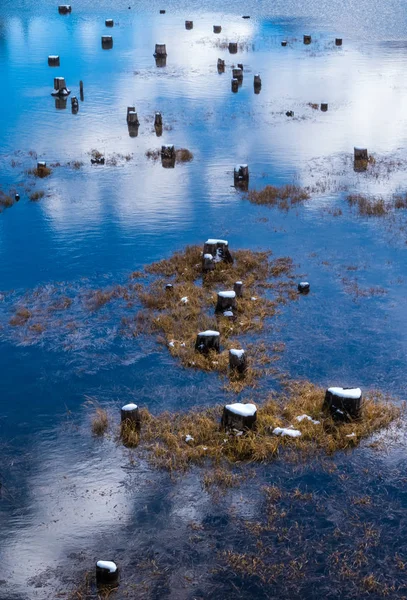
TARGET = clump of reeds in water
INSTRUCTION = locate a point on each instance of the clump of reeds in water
(368, 206)
(40, 172)
(6, 201)
(282, 197)
(183, 155)
(21, 316)
(100, 422)
(164, 437)
(37, 195)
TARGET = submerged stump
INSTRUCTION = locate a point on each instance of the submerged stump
(221, 65)
(107, 42)
(239, 416)
(307, 39)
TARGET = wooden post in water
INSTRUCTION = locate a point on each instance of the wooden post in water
(344, 404)
(239, 416)
(207, 340)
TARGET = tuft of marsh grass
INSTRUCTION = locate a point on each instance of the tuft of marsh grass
(6, 201)
(283, 197)
(21, 316)
(164, 436)
(37, 195)
(183, 155)
(42, 172)
(368, 206)
(100, 422)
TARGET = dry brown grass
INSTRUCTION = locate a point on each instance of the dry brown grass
(313, 105)
(164, 436)
(37, 195)
(178, 322)
(21, 316)
(368, 206)
(153, 155)
(41, 172)
(129, 433)
(283, 197)
(183, 155)
(100, 422)
(6, 201)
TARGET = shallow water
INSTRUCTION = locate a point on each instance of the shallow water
(66, 497)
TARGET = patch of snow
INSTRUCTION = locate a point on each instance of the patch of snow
(209, 333)
(184, 300)
(253, 298)
(239, 282)
(235, 352)
(213, 241)
(308, 418)
(130, 406)
(351, 435)
(107, 564)
(304, 283)
(208, 256)
(183, 345)
(171, 344)
(284, 431)
(351, 393)
(228, 313)
(228, 294)
(244, 410)
(189, 438)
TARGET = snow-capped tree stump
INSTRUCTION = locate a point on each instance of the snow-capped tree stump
(217, 29)
(132, 118)
(238, 289)
(234, 85)
(344, 404)
(107, 42)
(208, 264)
(221, 65)
(324, 106)
(307, 39)
(17, 197)
(53, 61)
(338, 41)
(107, 572)
(304, 287)
(189, 24)
(241, 175)
(169, 288)
(219, 250)
(257, 81)
(109, 22)
(130, 413)
(237, 74)
(74, 105)
(167, 151)
(239, 416)
(284, 43)
(233, 47)
(237, 360)
(226, 301)
(64, 9)
(207, 340)
(158, 120)
(60, 88)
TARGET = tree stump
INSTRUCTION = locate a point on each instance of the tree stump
(107, 42)
(207, 340)
(217, 29)
(234, 85)
(169, 287)
(307, 39)
(160, 50)
(238, 289)
(284, 43)
(239, 416)
(219, 250)
(338, 41)
(257, 81)
(237, 74)
(233, 47)
(237, 360)
(64, 9)
(158, 120)
(221, 65)
(226, 301)
(74, 105)
(324, 106)
(53, 61)
(304, 287)
(109, 22)
(241, 176)
(189, 24)
(344, 404)
(107, 572)
(132, 118)
(130, 412)
(360, 153)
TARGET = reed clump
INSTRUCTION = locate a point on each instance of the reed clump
(283, 197)
(368, 206)
(183, 155)
(21, 316)
(40, 172)
(174, 441)
(37, 195)
(100, 422)
(6, 201)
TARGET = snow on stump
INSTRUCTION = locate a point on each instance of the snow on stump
(107, 572)
(344, 404)
(189, 24)
(284, 43)
(169, 287)
(109, 22)
(130, 413)
(233, 47)
(168, 151)
(207, 340)
(338, 41)
(234, 85)
(241, 175)
(53, 60)
(304, 287)
(219, 250)
(107, 42)
(60, 88)
(307, 39)
(221, 65)
(158, 120)
(360, 153)
(239, 416)
(324, 106)
(238, 289)
(237, 360)
(257, 81)
(226, 301)
(217, 28)
(237, 74)
(208, 263)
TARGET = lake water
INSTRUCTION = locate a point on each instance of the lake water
(66, 498)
